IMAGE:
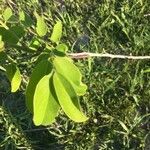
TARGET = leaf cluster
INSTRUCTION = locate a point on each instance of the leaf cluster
(55, 81)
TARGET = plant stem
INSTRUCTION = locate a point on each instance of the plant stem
(107, 55)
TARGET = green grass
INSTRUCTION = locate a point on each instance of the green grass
(117, 100)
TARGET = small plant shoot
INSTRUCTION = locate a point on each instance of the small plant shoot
(55, 82)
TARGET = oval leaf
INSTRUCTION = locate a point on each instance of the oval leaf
(66, 103)
(62, 48)
(42, 68)
(41, 27)
(65, 67)
(70, 90)
(57, 32)
(45, 106)
(7, 13)
(14, 76)
(8, 36)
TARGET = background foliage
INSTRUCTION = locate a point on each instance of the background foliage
(117, 100)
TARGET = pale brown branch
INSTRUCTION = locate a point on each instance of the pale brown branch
(87, 55)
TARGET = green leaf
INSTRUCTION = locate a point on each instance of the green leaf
(14, 76)
(43, 68)
(62, 48)
(65, 67)
(7, 13)
(35, 44)
(42, 56)
(41, 27)
(25, 19)
(66, 103)
(8, 36)
(45, 106)
(13, 35)
(57, 32)
(70, 90)
(18, 31)
(21, 16)
(13, 19)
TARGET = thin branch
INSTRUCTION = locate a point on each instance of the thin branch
(146, 15)
(87, 55)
